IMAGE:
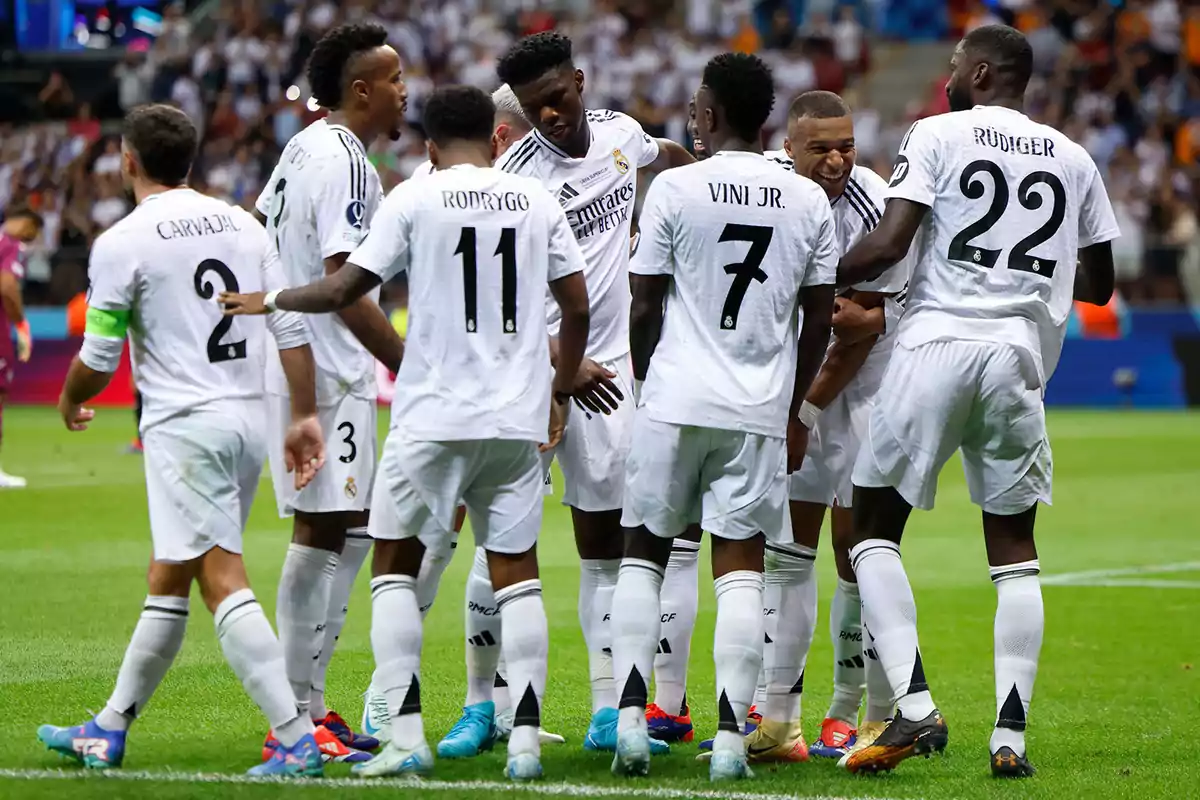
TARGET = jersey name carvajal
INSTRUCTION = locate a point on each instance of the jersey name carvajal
(479, 246)
(1011, 201)
(318, 203)
(740, 238)
(597, 192)
(162, 267)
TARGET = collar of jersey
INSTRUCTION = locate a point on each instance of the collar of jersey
(157, 195)
(738, 153)
(999, 108)
(350, 133)
(556, 150)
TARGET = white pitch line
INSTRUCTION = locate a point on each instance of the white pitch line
(548, 789)
(1098, 576)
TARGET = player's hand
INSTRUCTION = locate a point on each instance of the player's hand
(304, 450)
(594, 389)
(238, 304)
(797, 445)
(24, 342)
(853, 323)
(75, 417)
(558, 424)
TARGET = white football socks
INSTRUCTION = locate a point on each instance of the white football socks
(152, 648)
(1020, 622)
(597, 582)
(354, 553)
(396, 633)
(526, 643)
(890, 613)
(483, 627)
(433, 567)
(635, 625)
(256, 657)
(737, 652)
(790, 596)
(301, 609)
(680, 600)
(849, 657)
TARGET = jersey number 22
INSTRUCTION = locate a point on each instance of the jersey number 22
(218, 352)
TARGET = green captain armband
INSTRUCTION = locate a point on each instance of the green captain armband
(107, 324)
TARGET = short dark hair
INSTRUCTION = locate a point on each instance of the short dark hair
(25, 212)
(463, 113)
(336, 49)
(1006, 50)
(534, 56)
(164, 140)
(818, 104)
(743, 86)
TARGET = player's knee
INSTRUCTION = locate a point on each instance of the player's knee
(807, 519)
(165, 579)
(733, 555)
(1009, 537)
(507, 569)
(397, 557)
(641, 544)
(325, 531)
(597, 533)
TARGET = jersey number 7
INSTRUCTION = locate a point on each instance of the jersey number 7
(507, 250)
(746, 270)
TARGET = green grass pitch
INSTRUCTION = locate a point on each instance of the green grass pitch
(1115, 712)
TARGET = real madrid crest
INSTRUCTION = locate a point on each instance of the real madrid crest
(621, 162)
(351, 488)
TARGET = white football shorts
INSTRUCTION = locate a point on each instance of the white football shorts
(344, 483)
(938, 397)
(421, 484)
(202, 471)
(733, 483)
(594, 447)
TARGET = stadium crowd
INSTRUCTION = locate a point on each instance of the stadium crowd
(1123, 81)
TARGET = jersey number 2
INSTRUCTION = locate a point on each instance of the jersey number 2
(507, 250)
(1019, 259)
(746, 270)
(218, 352)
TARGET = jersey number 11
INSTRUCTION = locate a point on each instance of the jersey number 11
(507, 250)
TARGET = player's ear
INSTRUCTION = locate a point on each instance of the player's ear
(982, 76)
(359, 89)
(579, 80)
(710, 119)
(432, 150)
(496, 146)
(787, 148)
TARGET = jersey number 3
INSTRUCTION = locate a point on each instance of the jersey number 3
(507, 250)
(217, 351)
(1019, 259)
(745, 271)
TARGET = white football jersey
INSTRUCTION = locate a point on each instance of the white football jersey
(165, 263)
(319, 202)
(598, 193)
(423, 170)
(781, 158)
(480, 246)
(740, 238)
(1011, 202)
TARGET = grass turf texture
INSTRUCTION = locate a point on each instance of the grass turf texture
(1115, 696)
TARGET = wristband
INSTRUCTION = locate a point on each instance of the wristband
(269, 299)
(23, 329)
(808, 415)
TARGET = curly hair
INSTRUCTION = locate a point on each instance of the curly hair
(534, 56)
(458, 113)
(337, 48)
(743, 87)
(164, 139)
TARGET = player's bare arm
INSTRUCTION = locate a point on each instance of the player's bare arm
(844, 359)
(332, 293)
(670, 155)
(570, 293)
(1094, 277)
(258, 215)
(646, 319)
(817, 303)
(366, 320)
(82, 384)
(10, 296)
(853, 323)
(884, 246)
(304, 445)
